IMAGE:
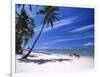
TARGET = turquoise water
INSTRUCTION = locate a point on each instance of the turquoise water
(82, 51)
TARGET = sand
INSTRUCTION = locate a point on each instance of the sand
(38, 63)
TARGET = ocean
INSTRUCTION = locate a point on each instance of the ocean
(87, 51)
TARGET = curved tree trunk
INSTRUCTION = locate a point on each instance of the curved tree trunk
(24, 57)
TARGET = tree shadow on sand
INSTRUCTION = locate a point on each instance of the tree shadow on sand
(42, 61)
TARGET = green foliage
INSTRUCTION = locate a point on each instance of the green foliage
(50, 15)
(24, 28)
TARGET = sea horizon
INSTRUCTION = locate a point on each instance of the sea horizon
(84, 51)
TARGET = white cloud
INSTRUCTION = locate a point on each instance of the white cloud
(89, 44)
(60, 23)
(65, 39)
(82, 28)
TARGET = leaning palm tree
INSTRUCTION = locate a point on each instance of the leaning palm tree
(50, 15)
(24, 28)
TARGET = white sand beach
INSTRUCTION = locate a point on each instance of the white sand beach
(52, 63)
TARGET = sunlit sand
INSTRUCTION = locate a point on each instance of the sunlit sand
(52, 63)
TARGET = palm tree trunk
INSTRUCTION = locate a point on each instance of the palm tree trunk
(24, 57)
(21, 51)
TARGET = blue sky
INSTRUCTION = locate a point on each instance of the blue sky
(74, 29)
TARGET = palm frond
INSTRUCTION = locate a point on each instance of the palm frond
(40, 12)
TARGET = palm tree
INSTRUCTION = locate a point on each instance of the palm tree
(26, 38)
(24, 28)
(50, 15)
(23, 6)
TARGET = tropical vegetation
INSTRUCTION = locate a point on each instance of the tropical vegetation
(25, 26)
(24, 29)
